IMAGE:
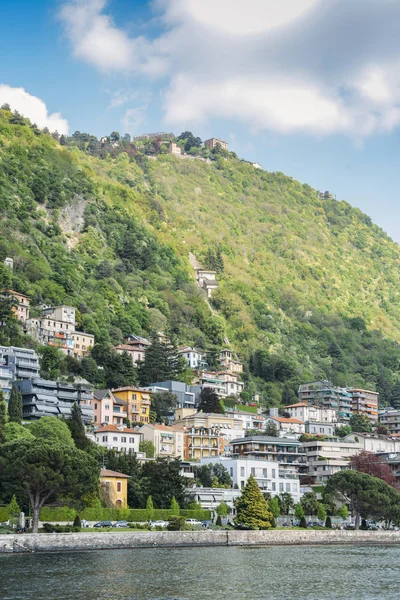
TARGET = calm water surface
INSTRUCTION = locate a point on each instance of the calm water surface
(295, 573)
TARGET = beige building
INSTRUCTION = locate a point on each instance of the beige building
(21, 304)
(229, 363)
(83, 343)
(365, 402)
(230, 426)
(214, 142)
(287, 426)
(174, 148)
(168, 441)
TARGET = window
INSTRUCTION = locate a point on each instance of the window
(242, 471)
(107, 419)
(281, 487)
(294, 487)
(288, 487)
(95, 418)
(95, 405)
(105, 438)
(115, 439)
(119, 486)
(131, 440)
(231, 471)
(144, 410)
(273, 486)
(265, 473)
(253, 471)
(107, 407)
(273, 473)
(133, 396)
(123, 440)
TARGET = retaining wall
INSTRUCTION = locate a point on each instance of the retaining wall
(71, 542)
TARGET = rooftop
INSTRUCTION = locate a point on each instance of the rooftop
(108, 473)
(287, 420)
(116, 429)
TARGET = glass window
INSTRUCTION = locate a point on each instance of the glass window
(119, 486)
(273, 473)
(242, 471)
(288, 487)
(123, 440)
(273, 486)
(281, 487)
(265, 473)
(131, 440)
(115, 439)
(107, 407)
(107, 419)
(253, 471)
(105, 438)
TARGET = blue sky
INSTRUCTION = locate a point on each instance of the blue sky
(307, 87)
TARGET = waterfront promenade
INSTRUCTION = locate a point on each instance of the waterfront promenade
(69, 542)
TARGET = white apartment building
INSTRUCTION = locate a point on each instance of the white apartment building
(168, 441)
(121, 439)
(325, 458)
(374, 443)
(315, 428)
(269, 476)
(249, 420)
(195, 359)
(287, 427)
(305, 412)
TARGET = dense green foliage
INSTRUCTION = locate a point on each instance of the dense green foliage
(252, 510)
(309, 287)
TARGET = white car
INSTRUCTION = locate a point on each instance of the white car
(193, 522)
(160, 524)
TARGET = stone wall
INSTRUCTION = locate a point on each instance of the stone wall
(70, 542)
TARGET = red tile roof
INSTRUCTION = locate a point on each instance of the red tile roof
(115, 428)
(287, 420)
(108, 473)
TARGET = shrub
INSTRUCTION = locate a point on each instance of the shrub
(77, 522)
(219, 521)
(328, 523)
(363, 525)
(176, 523)
(273, 522)
(303, 523)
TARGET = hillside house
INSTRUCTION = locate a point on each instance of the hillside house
(214, 142)
(174, 149)
(206, 279)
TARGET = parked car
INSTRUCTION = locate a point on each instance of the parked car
(159, 524)
(121, 524)
(193, 522)
(313, 524)
(103, 524)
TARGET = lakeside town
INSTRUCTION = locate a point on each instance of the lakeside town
(221, 449)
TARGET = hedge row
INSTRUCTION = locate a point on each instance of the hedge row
(64, 513)
(4, 515)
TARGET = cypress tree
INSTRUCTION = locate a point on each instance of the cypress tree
(219, 261)
(77, 428)
(209, 402)
(395, 397)
(15, 406)
(3, 415)
(252, 508)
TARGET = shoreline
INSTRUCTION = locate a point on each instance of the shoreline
(81, 542)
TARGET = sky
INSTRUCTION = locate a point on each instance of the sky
(307, 87)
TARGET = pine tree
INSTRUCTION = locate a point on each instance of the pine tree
(209, 402)
(3, 416)
(149, 509)
(15, 406)
(252, 508)
(77, 428)
(13, 509)
(219, 261)
(155, 366)
(174, 508)
(395, 397)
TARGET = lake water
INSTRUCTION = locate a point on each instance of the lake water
(274, 573)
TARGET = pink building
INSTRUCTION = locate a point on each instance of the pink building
(135, 346)
(108, 409)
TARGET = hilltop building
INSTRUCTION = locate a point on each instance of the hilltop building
(203, 442)
(21, 303)
(108, 409)
(56, 327)
(287, 426)
(229, 426)
(229, 363)
(174, 148)
(135, 346)
(214, 142)
(195, 359)
(390, 418)
(206, 279)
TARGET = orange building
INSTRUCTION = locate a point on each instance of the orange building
(365, 402)
(21, 304)
(203, 442)
(114, 486)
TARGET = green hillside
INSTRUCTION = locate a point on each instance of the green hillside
(310, 287)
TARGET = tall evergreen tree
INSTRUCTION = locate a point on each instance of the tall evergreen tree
(3, 416)
(209, 402)
(219, 261)
(161, 363)
(77, 428)
(15, 406)
(252, 508)
(395, 396)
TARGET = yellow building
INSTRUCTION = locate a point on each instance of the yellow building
(138, 403)
(115, 487)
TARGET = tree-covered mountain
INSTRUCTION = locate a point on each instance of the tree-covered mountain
(309, 288)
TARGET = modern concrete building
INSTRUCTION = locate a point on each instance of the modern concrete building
(365, 403)
(377, 444)
(187, 395)
(315, 428)
(44, 398)
(122, 439)
(168, 441)
(390, 418)
(16, 364)
(325, 395)
(268, 473)
(325, 458)
(210, 498)
(287, 452)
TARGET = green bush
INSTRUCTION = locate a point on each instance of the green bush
(328, 523)
(364, 525)
(303, 523)
(77, 522)
(4, 515)
(65, 513)
(176, 523)
(219, 521)
(50, 528)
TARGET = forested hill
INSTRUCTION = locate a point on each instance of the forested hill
(310, 288)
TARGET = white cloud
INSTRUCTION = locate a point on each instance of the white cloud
(33, 108)
(288, 66)
(132, 119)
